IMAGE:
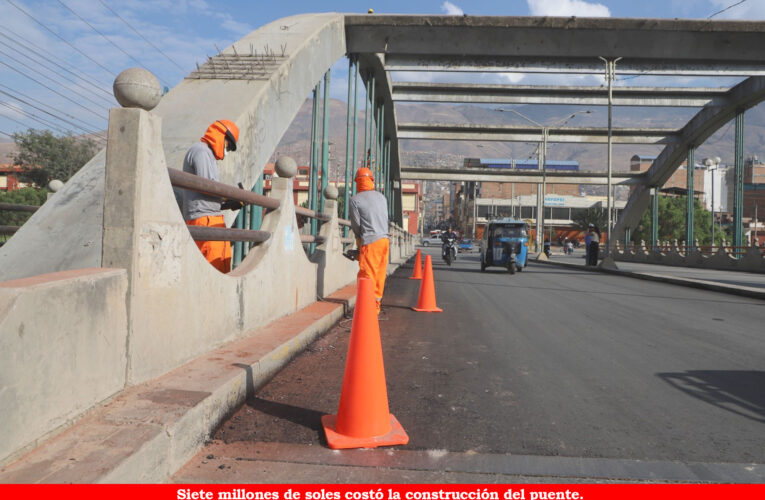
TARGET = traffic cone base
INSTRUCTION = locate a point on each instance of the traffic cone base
(430, 310)
(426, 301)
(337, 441)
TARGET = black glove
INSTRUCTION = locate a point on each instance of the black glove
(351, 255)
(231, 205)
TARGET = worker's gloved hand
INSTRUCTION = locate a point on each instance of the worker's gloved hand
(231, 205)
(351, 254)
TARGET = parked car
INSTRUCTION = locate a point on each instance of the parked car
(431, 240)
(465, 245)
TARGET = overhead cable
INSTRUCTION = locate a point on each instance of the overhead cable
(15, 39)
(16, 92)
(41, 121)
(183, 71)
(22, 63)
(97, 113)
(62, 39)
(43, 110)
(105, 37)
(726, 8)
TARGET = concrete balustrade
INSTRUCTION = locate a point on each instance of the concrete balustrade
(675, 254)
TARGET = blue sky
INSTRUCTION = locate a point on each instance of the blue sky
(60, 57)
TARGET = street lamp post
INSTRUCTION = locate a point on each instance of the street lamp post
(710, 163)
(542, 162)
(610, 76)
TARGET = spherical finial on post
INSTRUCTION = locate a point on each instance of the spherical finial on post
(330, 192)
(137, 88)
(285, 167)
(55, 185)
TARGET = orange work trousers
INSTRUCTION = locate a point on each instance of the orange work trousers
(373, 264)
(217, 253)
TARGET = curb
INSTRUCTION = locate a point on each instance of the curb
(704, 285)
(147, 432)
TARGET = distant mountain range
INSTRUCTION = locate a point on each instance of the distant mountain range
(591, 157)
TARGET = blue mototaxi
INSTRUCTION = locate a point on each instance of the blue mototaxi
(505, 243)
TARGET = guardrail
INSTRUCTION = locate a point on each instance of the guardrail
(721, 257)
(14, 207)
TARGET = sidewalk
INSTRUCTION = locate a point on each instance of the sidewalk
(732, 282)
(147, 432)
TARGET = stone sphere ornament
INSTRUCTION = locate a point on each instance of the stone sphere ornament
(285, 167)
(330, 192)
(137, 88)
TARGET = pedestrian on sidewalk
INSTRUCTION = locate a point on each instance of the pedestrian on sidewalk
(203, 210)
(368, 210)
(587, 241)
(594, 246)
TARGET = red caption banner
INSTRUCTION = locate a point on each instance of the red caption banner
(386, 492)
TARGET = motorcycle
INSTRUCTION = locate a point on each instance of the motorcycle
(449, 251)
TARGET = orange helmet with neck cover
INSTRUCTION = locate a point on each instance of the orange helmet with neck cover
(216, 136)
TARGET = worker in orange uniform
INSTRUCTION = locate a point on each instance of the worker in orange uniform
(369, 220)
(203, 210)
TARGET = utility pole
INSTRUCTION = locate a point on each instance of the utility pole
(610, 76)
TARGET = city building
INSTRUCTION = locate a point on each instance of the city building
(9, 177)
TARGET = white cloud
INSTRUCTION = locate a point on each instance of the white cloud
(450, 9)
(563, 8)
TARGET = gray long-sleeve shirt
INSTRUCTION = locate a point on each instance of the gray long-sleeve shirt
(199, 160)
(369, 216)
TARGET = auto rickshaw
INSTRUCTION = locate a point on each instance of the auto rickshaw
(505, 243)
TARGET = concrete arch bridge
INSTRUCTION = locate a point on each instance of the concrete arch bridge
(104, 289)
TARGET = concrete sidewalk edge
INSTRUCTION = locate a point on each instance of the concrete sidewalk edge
(704, 285)
(163, 437)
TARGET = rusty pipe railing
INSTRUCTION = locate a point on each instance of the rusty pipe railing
(205, 233)
(13, 207)
(185, 180)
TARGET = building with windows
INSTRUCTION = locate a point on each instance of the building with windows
(9, 177)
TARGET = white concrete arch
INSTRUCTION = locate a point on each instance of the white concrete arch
(706, 122)
(66, 232)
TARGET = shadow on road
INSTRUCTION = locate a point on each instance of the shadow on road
(310, 419)
(739, 392)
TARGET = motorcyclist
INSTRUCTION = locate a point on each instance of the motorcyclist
(445, 236)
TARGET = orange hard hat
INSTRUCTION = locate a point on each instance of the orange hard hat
(363, 172)
(216, 134)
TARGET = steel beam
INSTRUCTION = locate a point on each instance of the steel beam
(527, 94)
(689, 205)
(514, 133)
(520, 176)
(575, 43)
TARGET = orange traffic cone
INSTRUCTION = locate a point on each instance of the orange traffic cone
(417, 273)
(426, 302)
(363, 419)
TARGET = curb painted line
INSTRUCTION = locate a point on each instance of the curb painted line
(704, 285)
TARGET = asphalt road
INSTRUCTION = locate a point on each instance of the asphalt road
(549, 362)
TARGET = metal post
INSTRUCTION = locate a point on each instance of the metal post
(738, 189)
(713, 207)
(610, 75)
(348, 181)
(627, 237)
(654, 218)
(366, 127)
(541, 161)
(475, 206)
(348, 132)
(689, 201)
(256, 211)
(325, 143)
(238, 224)
(368, 151)
(380, 147)
(313, 175)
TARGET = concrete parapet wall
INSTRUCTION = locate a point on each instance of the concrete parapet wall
(752, 261)
(334, 270)
(179, 306)
(62, 350)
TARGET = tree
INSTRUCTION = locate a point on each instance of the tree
(23, 196)
(672, 223)
(44, 156)
(593, 215)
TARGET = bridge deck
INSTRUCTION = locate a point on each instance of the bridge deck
(623, 378)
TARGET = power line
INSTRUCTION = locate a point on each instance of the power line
(80, 127)
(183, 71)
(726, 8)
(97, 113)
(39, 120)
(45, 105)
(105, 37)
(16, 40)
(62, 39)
(53, 70)
(22, 63)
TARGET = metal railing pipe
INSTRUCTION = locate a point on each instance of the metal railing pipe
(13, 207)
(307, 212)
(185, 180)
(8, 229)
(204, 233)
